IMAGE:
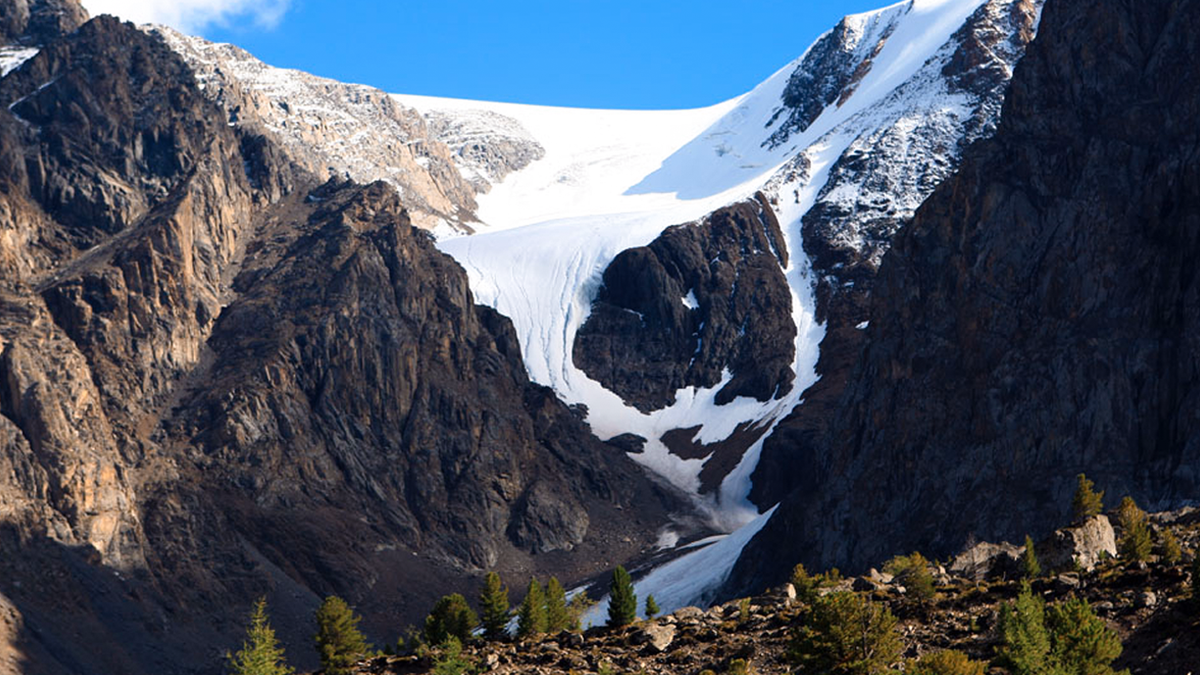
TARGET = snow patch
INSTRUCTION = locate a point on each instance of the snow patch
(691, 579)
(11, 58)
(689, 300)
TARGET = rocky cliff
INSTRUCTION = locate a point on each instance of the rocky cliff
(1037, 318)
(876, 184)
(219, 380)
(700, 299)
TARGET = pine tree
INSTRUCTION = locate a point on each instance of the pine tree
(1087, 502)
(1026, 648)
(493, 603)
(260, 653)
(805, 585)
(339, 642)
(531, 617)
(578, 606)
(449, 660)
(912, 572)
(622, 601)
(845, 634)
(652, 609)
(451, 617)
(1029, 561)
(1171, 553)
(1135, 531)
(558, 617)
(1081, 642)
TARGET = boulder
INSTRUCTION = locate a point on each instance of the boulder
(657, 637)
(1084, 545)
(986, 560)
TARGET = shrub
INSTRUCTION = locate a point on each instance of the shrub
(947, 662)
(1029, 561)
(1086, 502)
(622, 601)
(531, 617)
(1135, 531)
(845, 634)
(738, 667)
(451, 617)
(260, 653)
(912, 572)
(339, 642)
(493, 603)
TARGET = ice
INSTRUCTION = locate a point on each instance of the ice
(689, 300)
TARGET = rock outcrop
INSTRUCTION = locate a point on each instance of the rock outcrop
(1037, 319)
(32, 23)
(699, 300)
(332, 129)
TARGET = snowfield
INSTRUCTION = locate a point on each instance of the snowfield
(612, 180)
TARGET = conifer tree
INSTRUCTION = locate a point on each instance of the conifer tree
(558, 617)
(805, 585)
(1171, 553)
(531, 617)
(1135, 531)
(493, 604)
(1086, 502)
(339, 642)
(578, 606)
(1026, 648)
(451, 617)
(260, 653)
(622, 601)
(845, 634)
(652, 609)
(1029, 561)
(1081, 642)
(912, 571)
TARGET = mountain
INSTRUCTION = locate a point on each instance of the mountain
(225, 376)
(263, 333)
(1036, 319)
(699, 280)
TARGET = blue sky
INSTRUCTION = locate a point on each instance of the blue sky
(591, 53)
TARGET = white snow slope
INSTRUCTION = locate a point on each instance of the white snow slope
(613, 180)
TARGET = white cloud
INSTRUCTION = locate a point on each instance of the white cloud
(192, 16)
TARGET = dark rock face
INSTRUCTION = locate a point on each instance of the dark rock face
(830, 71)
(889, 172)
(37, 22)
(217, 383)
(699, 299)
(1037, 319)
